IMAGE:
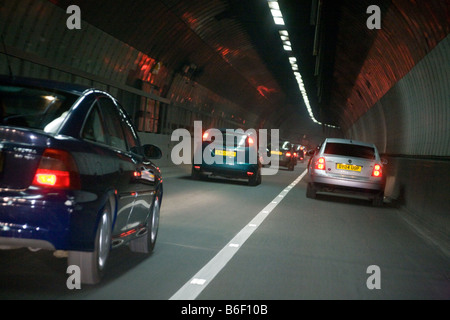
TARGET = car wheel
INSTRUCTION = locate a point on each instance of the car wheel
(195, 174)
(146, 243)
(311, 191)
(378, 200)
(92, 264)
(255, 179)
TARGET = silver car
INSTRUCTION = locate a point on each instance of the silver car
(347, 167)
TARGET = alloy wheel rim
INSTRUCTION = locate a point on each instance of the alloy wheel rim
(155, 220)
(104, 241)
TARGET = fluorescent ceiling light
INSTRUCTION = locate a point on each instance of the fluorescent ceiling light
(273, 5)
(276, 13)
(279, 21)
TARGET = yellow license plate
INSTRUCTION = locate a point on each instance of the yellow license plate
(225, 153)
(276, 152)
(350, 167)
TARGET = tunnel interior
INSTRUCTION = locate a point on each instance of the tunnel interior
(173, 62)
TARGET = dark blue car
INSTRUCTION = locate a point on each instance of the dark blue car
(73, 174)
(228, 153)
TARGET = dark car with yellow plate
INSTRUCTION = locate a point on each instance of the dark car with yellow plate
(285, 150)
(348, 167)
(228, 153)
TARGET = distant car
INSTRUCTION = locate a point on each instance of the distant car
(285, 151)
(236, 160)
(347, 166)
(300, 152)
(73, 174)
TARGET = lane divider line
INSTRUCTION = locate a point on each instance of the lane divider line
(191, 289)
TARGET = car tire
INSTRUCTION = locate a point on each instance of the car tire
(256, 179)
(378, 200)
(92, 264)
(195, 174)
(146, 243)
(311, 191)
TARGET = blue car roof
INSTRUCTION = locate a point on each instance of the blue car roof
(44, 83)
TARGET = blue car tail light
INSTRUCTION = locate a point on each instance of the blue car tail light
(57, 169)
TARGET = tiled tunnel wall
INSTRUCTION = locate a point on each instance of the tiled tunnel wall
(410, 125)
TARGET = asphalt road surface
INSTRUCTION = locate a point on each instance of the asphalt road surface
(225, 240)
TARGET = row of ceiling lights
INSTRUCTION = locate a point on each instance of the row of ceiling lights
(287, 46)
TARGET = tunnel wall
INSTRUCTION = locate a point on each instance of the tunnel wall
(410, 125)
(37, 43)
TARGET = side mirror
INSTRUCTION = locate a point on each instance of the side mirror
(151, 151)
(311, 152)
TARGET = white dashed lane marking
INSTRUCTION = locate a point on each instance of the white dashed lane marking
(199, 281)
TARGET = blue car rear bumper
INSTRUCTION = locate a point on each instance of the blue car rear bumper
(28, 220)
(52, 222)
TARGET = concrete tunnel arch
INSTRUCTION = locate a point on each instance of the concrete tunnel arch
(392, 90)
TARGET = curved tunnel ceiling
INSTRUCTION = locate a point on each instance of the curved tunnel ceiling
(237, 52)
(369, 62)
(202, 33)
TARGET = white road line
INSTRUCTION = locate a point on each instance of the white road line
(199, 281)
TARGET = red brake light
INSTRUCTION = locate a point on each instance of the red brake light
(377, 172)
(127, 233)
(57, 169)
(52, 178)
(205, 136)
(288, 154)
(320, 164)
(250, 141)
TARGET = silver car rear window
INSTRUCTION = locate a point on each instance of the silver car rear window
(350, 150)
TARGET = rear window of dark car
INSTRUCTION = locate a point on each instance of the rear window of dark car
(31, 107)
(350, 150)
(236, 139)
(282, 145)
(285, 145)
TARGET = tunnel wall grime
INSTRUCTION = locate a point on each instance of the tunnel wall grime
(35, 42)
(410, 125)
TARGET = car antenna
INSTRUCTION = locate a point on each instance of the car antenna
(7, 58)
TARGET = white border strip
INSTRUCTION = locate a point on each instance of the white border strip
(201, 279)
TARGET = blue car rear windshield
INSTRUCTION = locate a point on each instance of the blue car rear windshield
(235, 139)
(35, 108)
(350, 150)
